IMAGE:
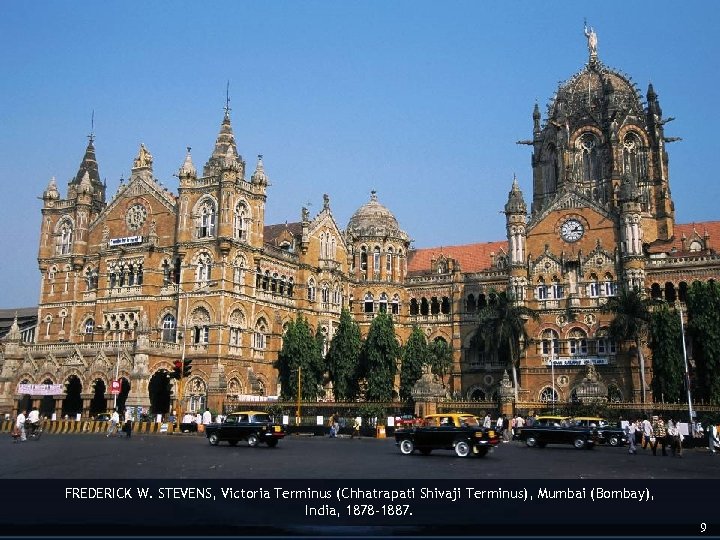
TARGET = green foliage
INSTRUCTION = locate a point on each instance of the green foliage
(502, 329)
(631, 320)
(378, 359)
(703, 303)
(415, 354)
(668, 365)
(441, 358)
(343, 358)
(300, 354)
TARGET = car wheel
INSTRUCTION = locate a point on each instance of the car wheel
(425, 451)
(531, 442)
(614, 441)
(462, 449)
(272, 443)
(233, 443)
(406, 447)
(579, 443)
(213, 439)
(253, 440)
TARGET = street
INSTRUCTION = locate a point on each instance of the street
(302, 457)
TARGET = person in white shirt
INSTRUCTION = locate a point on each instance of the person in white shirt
(20, 425)
(114, 421)
(647, 432)
(34, 416)
(207, 417)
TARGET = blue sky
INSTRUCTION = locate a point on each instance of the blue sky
(421, 100)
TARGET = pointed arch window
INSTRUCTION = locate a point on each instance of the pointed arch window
(204, 268)
(311, 290)
(578, 342)
(550, 343)
(169, 326)
(206, 219)
(91, 278)
(594, 286)
(395, 305)
(541, 290)
(363, 258)
(633, 156)
(382, 304)
(260, 335)
(548, 395)
(369, 303)
(239, 265)
(604, 345)
(388, 261)
(241, 221)
(587, 147)
(376, 259)
(609, 285)
(414, 308)
(65, 237)
(325, 292)
(557, 290)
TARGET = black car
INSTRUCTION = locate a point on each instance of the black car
(447, 431)
(252, 426)
(558, 430)
(608, 433)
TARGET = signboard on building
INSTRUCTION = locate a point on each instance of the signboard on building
(125, 240)
(115, 387)
(40, 389)
(583, 361)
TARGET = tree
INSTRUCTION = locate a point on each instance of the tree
(441, 358)
(300, 354)
(502, 328)
(378, 359)
(666, 345)
(415, 354)
(630, 323)
(343, 357)
(703, 303)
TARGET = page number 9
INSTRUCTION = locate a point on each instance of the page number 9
(703, 527)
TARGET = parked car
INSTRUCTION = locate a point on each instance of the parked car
(558, 430)
(608, 433)
(447, 431)
(255, 427)
(104, 417)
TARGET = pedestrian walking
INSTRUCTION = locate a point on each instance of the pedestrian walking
(127, 425)
(647, 433)
(207, 417)
(659, 435)
(630, 430)
(20, 427)
(713, 440)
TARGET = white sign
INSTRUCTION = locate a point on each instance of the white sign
(582, 361)
(40, 389)
(320, 420)
(125, 240)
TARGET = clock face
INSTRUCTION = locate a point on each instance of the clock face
(572, 230)
(136, 216)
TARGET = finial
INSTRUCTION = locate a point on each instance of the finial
(373, 196)
(91, 137)
(227, 99)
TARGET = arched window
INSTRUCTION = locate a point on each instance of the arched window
(260, 335)
(201, 326)
(241, 221)
(548, 395)
(633, 157)
(414, 308)
(64, 237)
(550, 343)
(274, 283)
(266, 280)
(587, 166)
(445, 305)
(325, 292)
(239, 265)
(434, 306)
(237, 322)
(89, 329)
(205, 219)
(204, 266)
(609, 285)
(168, 328)
(471, 305)
(424, 306)
(382, 304)
(541, 291)
(670, 294)
(369, 303)
(388, 261)
(395, 307)
(311, 290)
(557, 290)
(577, 340)
(376, 259)
(91, 278)
(604, 345)
(290, 287)
(363, 258)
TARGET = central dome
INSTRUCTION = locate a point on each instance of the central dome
(373, 218)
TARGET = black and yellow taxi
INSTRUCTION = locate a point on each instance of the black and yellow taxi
(255, 427)
(460, 432)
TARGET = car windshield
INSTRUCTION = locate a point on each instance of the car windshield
(263, 417)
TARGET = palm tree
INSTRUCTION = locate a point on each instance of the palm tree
(502, 328)
(631, 322)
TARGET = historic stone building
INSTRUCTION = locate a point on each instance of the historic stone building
(132, 284)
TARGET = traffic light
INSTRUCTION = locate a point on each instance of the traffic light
(187, 368)
(177, 370)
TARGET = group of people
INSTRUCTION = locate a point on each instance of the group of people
(25, 423)
(655, 432)
(115, 424)
(505, 426)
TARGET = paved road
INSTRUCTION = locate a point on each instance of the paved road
(300, 457)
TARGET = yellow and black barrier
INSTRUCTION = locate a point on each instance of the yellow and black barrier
(94, 426)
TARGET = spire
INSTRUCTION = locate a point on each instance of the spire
(225, 140)
(516, 202)
(88, 165)
(187, 169)
(259, 176)
(51, 192)
(536, 118)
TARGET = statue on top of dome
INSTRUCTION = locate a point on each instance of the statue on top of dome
(591, 41)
